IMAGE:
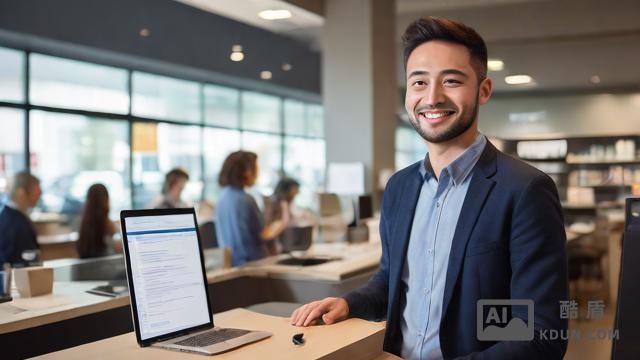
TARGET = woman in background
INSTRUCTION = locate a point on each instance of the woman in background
(278, 205)
(239, 222)
(171, 197)
(96, 229)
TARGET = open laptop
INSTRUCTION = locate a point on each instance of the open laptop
(167, 284)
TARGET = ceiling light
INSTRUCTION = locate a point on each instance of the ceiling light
(495, 65)
(272, 14)
(518, 79)
(594, 79)
(286, 67)
(236, 53)
(265, 75)
(144, 32)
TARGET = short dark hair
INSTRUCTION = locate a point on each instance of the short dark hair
(436, 28)
(284, 185)
(172, 177)
(25, 181)
(235, 167)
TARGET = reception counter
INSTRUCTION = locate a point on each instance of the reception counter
(69, 316)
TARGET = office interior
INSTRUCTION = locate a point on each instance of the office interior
(120, 92)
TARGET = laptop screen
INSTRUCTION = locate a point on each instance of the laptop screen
(166, 278)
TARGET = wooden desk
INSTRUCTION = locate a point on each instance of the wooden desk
(350, 339)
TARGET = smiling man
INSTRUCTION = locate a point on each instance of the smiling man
(467, 223)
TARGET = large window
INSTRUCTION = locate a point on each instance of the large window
(409, 147)
(165, 98)
(304, 161)
(12, 157)
(69, 153)
(73, 84)
(221, 106)
(158, 148)
(260, 112)
(11, 75)
(90, 123)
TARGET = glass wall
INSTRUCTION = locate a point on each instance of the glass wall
(73, 84)
(12, 157)
(69, 153)
(409, 147)
(93, 123)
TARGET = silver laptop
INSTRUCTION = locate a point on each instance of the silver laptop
(167, 284)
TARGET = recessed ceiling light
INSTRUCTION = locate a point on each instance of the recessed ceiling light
(236, 53)
(265, 75)
(286, 67)
(272, 14)
(518, 79)
(594, 79)
(495, 65)
(144, 32)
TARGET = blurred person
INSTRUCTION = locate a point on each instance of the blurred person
(96, 229)
(276, 205)
(171, 197)
(239, 222)
(18, 238)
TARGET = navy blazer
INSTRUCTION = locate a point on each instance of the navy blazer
(16, 235)
(509, 243)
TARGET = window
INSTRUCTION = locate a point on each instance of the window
(260, 112)
(305, 161)
(268, 148)
(294, 118)
(221, 106)
(409, 147)
(74, 84)
(315, 120)
(11, 144)
(11, 75)
(158, 148)
(165, 98)
(218, 144)
(69, 153)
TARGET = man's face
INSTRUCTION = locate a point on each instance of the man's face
(443, 93)
(34, 195)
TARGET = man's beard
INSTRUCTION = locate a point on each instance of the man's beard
(453, 131)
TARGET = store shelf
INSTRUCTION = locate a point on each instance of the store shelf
(603, 162)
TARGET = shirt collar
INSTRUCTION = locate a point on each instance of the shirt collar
(459, 168)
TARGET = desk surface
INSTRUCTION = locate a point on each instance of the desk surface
(69, 299)
(353, 339)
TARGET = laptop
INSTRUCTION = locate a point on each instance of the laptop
(170, 304)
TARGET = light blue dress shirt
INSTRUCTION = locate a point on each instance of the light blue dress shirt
(425, 268)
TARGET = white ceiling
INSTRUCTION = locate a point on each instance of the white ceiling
(561, 43)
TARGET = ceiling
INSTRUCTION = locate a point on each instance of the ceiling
(562, 44)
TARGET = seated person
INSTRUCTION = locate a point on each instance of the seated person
(239, 223)
(174, 182)
(96, 229)
(18, 239)
(278, 204)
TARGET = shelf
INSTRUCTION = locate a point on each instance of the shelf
(562, 160)
(604, 185)
(604, 162)
(566, 205)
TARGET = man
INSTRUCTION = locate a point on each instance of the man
(171, 197)
(18, 240)
(466, 223)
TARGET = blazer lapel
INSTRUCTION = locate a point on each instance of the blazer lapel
(402, 228)
(479, 188)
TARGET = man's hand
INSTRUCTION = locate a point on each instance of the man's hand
(330, 310)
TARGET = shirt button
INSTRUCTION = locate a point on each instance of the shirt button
(438, 204)
(429, 251)
(427, 291)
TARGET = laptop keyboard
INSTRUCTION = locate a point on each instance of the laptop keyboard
(212, 337)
